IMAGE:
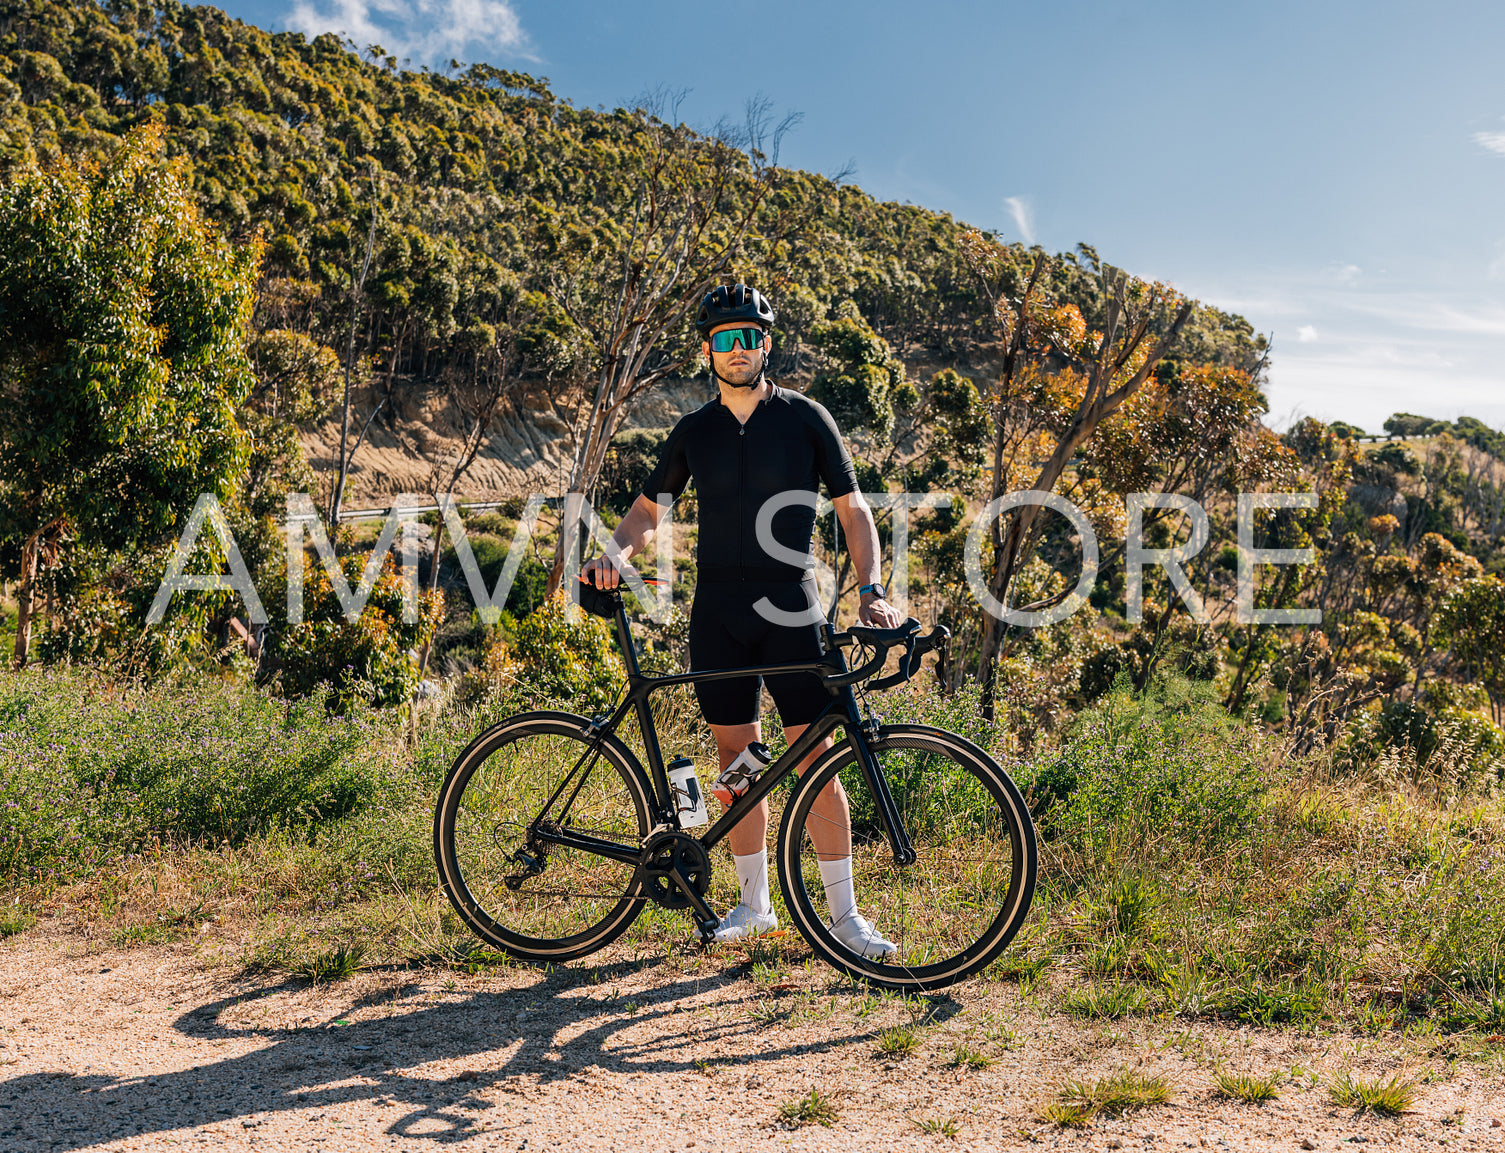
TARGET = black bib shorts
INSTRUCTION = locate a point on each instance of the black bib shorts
(727, 632)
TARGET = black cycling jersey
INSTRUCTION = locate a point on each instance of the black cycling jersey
(789, 443)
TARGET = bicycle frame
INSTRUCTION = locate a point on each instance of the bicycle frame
(840, 712)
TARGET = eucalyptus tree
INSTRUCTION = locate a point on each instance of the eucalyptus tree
(666, 221)
(123, 321)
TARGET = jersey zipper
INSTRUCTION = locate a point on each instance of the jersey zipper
(742, 496)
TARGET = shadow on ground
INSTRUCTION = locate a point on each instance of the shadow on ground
(562, 1025)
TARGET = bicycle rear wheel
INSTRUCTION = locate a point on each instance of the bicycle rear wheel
(959, 905)
(533, 774)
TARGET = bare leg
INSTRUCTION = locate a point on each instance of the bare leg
(830, 826)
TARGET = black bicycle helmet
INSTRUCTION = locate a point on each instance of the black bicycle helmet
(729, 303)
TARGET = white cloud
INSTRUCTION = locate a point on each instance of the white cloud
(425, 31)
(1024, 217)
(1496, 269)
(1492, 141)
(1306, 334)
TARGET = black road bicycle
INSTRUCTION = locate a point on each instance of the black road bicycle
(551, 836)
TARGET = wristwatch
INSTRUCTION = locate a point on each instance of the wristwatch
(876, 589)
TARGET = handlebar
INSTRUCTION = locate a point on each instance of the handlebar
(907, 634)
(607, 603)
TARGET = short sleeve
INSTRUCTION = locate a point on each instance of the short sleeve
(672, 473)
(832, 461)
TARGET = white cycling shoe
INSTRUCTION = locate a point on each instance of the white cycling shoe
(743, 921)
(859, 936)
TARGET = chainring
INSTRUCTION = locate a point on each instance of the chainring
(664, 853)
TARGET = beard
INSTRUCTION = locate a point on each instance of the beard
(745, 377)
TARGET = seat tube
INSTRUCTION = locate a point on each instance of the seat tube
(888, 812)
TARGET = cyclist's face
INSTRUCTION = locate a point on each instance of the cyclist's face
(740, 366)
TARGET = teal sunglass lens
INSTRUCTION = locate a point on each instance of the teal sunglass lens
(729, 338)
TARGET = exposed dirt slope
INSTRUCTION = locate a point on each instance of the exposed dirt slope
(529, 450)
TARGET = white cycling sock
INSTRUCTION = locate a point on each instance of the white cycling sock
(752, 876)
(841, 897)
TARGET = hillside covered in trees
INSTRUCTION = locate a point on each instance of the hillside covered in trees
(446, 265)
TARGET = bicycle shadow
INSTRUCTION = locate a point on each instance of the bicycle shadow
(566, 1024)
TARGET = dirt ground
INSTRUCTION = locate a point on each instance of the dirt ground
(153, 1048)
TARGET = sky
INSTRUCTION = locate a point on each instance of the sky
(1333, 171)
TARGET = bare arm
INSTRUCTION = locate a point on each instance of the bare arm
(633, 533)
(862, 542)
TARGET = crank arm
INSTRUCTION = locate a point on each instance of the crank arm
(705, 920)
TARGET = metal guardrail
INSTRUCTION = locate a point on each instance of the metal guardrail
(383, 513)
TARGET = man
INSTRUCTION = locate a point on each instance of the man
(755, 452)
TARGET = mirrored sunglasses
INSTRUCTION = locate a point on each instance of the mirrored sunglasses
(729, 338)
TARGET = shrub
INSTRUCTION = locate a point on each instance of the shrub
(374, 659)
(564, 656)
(629, 461)
(89, 772)
(1168, 761)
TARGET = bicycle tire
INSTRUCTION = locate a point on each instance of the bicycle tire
(958, 907)
(581, 901)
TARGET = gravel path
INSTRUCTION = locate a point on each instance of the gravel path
(147, 1049)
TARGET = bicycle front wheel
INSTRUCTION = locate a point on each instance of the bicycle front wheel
(959, 905)
(521, 783)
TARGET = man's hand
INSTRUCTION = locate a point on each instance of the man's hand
(878, 613)
(601, 573)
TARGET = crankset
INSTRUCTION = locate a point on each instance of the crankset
(675, 872)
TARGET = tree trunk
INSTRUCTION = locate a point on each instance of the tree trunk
(26, 591)
(355, 317)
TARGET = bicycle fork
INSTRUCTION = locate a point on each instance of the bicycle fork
(888, 812)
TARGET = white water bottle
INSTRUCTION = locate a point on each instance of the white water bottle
(739, 776)
(688, 799)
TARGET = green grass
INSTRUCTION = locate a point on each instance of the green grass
(897, 1042)
(937, 1126)
(1280, 1002)
(149, 934)
(1388, 1097)
(815, 1108)
(132, 799)
(1247, 1087)
(1122, 1092)
(1099, 1002)
(964, 1057)
(335, 964)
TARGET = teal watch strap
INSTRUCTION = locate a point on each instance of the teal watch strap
(877, 589)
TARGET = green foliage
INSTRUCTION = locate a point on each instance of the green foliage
(1247, 1087)
(815, 1108)
(1103, 1002)
(860, 373)
(1122, 1092)
(566, 657)
(122, 328)
(123, 319)
(373, 659)
(338, 963)
(629, 461)
(90, 771)
(1389, 1097)
(1165, 763)
(897, 1042)
(1472, 622)
(1408, 424)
